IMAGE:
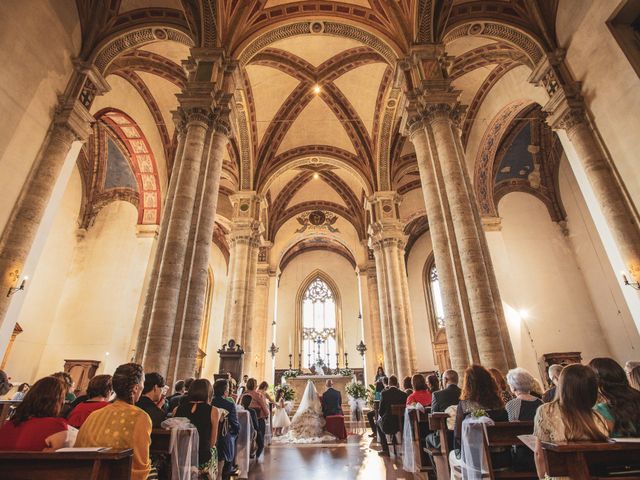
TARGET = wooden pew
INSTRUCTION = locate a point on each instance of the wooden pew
(579, 460)
(418, 418)
(160, 441)
(398, 412)
(505, 434)
(107, 465)
(438, 423)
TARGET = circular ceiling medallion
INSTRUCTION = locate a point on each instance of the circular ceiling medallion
(160, 34)
(386, 208)
(476, 29)
(317, 218)
(315, 160)
(392, 103)
(316, 27)
(244, 207)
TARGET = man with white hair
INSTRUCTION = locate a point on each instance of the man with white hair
(554, 375)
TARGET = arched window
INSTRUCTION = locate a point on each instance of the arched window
(436, 297)
(318, 324)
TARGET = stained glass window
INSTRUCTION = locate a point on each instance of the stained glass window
(436, 296)
(318, 324)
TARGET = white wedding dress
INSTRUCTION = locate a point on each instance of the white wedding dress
(308, 423)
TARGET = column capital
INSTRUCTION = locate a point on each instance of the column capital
(73, 117)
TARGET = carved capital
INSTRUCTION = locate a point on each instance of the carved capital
(73, 118)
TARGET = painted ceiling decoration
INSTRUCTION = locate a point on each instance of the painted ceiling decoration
(319, 95)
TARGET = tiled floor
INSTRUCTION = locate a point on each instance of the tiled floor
(353, 460)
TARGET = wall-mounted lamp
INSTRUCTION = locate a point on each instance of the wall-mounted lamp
(13, 290)
(273, 350)
(361, 348)
(625, 281)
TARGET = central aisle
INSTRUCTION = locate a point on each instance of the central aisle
(351, 460)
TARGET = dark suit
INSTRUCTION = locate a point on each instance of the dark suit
(331, 402)
(156, 414)
(443, 399)
(227, 444)
(388, 423)
(549, 395)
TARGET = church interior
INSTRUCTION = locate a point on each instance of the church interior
(281, 188)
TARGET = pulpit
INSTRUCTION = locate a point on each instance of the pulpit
(81, 372)
(559, 358)
(231, 355)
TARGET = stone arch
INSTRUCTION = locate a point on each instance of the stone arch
(110, 48)
(142, 161)
(516, 36)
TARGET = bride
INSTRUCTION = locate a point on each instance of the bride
(308, 423)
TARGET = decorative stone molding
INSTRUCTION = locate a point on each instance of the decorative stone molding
(491, 224)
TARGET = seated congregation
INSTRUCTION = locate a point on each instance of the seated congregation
(587, 403)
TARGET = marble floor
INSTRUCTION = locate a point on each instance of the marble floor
(350, 460)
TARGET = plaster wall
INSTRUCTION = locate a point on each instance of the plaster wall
(343, 275)
(602, 282)
(422, 327)
(545, 296)
(96, 314)
(610, 85)
(46, 286)
(36, 65)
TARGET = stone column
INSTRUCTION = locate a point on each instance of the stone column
(388, 241)
(566, 111)
(256, 357)
(386, 330)
(243, 259)
(458, 326)
(375, 328)
(165, 304)
(71, 122)
(195, 300)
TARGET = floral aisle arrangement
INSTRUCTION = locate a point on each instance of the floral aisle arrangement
(357, 393)
(290, 374)
(345, 372)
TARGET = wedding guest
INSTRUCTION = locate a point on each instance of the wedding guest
(522, 408)
(503, 388)
(432, 383)
(443, 399)
(380, 373)
(630, 365)
(5, 384)
(406, 385)
(227, 443)
(554, 375)
(371, 414)
(178, 399)
(178, 391)
(206, 419)
(620, 405)
(388, 423)
(35, 425)
(385, 382)
(570, 416)
(634, 378)
(262, 409)
(245, 401)
(421, 393)
(153, 398)
(68, 382)
(263, 388)
(23, 388)
(121, 424)
(281, 419)
(98, 393)
(479, 393)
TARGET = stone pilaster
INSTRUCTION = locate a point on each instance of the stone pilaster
(387, 239)
(375, 329)
(71, 122)
(257, 354)
(386, 330)
(244, 244)
(566, 111)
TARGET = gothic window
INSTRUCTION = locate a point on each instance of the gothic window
(318, 324)
(437, 309)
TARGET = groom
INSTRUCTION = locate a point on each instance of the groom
(331, 401)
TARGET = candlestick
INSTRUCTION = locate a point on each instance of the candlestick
(346, 360)
(337, 360)
(300, 361)
(290, 358)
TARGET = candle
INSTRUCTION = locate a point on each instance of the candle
(289, 343)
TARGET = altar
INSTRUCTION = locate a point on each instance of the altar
(299, 383)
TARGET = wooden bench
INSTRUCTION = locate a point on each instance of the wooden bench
(580, 460)
(5, 409)
(438, 423)
(505, 434)
(418, 418)
(398, 412)
(108, 465)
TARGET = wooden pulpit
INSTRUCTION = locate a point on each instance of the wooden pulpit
(231, 355)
